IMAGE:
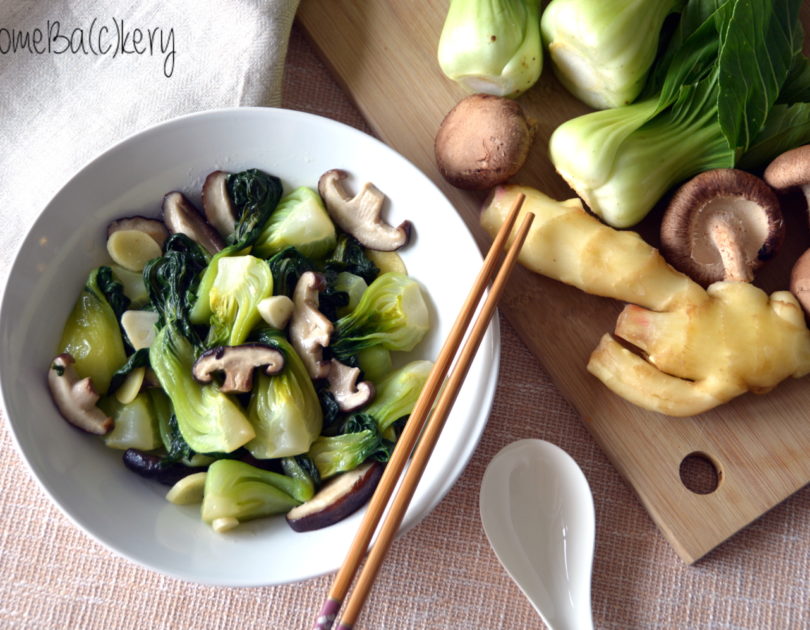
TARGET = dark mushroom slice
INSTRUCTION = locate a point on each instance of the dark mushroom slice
(181, 217)
(237, 364)
(152, 227)
(343, 385)
(310, 331)
(360, 215)
(338, 498)
(722, 225)
(156, 468)
(217, 204)
(75, 397)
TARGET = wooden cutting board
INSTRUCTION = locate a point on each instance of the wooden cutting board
(384, 53)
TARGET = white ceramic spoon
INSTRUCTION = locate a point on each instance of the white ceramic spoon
(537, 511)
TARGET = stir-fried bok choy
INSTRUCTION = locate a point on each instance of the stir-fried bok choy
(204, 384)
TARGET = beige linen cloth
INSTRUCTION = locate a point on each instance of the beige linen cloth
(78, 76)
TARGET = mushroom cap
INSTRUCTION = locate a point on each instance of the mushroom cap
(790, 169)
(722, 225)
(483, 141)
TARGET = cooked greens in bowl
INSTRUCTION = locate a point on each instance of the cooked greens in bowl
(243, 354)
(130, 514)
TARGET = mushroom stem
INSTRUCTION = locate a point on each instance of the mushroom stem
(728, 245)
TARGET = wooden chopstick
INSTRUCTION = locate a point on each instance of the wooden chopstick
(413, 428)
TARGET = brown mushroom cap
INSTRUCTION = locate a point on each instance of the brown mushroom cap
(483, 141)
(722, 225)
(790, 169)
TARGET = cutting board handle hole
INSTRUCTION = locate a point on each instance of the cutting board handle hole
(700, 473)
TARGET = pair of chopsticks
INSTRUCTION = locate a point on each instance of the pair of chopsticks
(421, 417)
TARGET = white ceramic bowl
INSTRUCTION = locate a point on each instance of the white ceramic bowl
(87, 480)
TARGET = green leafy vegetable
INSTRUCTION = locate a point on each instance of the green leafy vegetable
(300, 220)
(492, 46)
(287, 267)
(284, 409)
(707, 100)
(240, 284)
(255, 195)
(92, 335)
(236, 490)
(397, 394)
(392, 313)
(602, 50)
(350, 256)
(210, 421)
(360, 440)
(135, 423)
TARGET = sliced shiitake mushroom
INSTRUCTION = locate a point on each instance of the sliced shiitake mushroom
(361, 215)
(237, 363)
(75, 397)
(181, 217)
(348, 393)
(156, 468)
(338, 498)
(310, 331)
(722, 225)
(217, 205)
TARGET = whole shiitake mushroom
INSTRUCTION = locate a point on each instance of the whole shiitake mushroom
(483, 141)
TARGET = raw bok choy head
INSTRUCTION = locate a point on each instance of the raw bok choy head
(602, 50)
(391, 313)
(492, 47)
(711, 93)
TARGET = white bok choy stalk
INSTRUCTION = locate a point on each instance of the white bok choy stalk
(602, 50)
(711, 95)
(492, 46)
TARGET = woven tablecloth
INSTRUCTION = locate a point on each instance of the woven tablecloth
(442, 573)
